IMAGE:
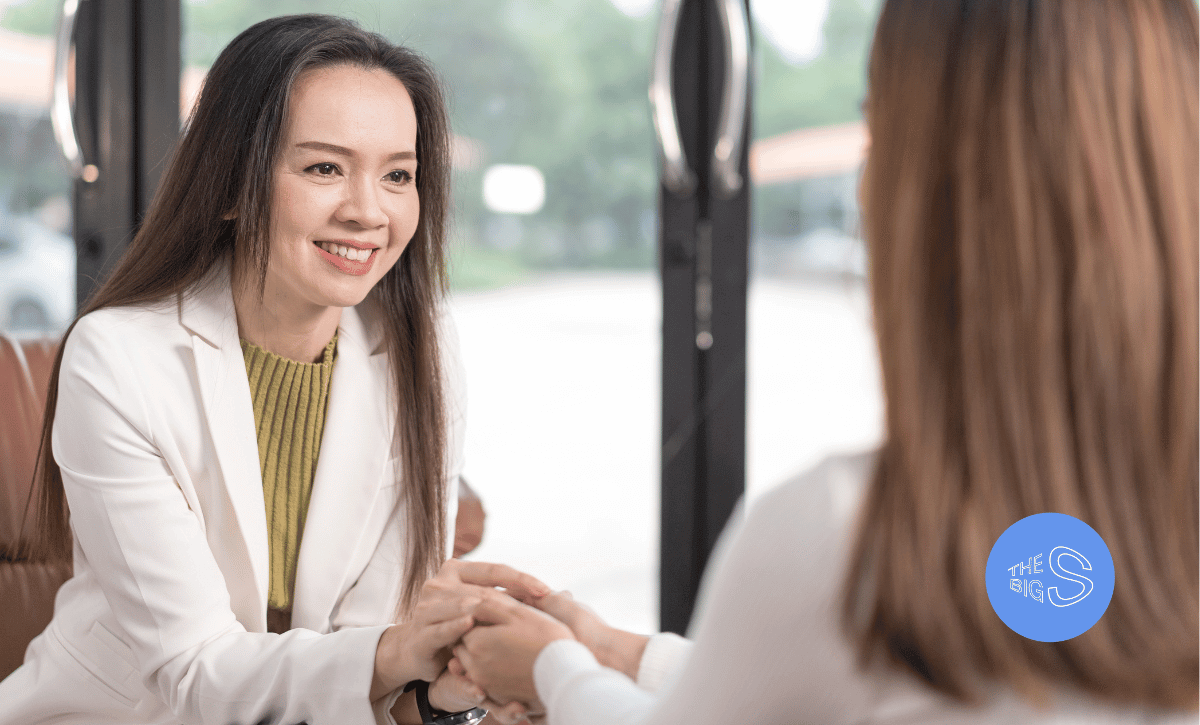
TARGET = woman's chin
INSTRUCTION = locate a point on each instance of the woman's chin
(347, 293)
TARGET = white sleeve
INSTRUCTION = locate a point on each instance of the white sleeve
(567, 674)
(150, 557)
(576, 690)
(664, 656)
(767, 645)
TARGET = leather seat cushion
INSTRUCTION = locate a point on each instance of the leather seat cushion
(27, 592)
(24, 375)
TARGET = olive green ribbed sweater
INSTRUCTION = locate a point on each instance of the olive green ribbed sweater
(289, 413)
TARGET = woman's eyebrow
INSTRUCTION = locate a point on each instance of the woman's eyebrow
(322, 146)
(343, 151)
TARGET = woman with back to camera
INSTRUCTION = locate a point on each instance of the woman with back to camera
(1030, 207)
(281, 300)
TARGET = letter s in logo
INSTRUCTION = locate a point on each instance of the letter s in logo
(1056, 567)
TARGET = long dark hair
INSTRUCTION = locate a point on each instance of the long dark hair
(1029, 202)
(214, 203)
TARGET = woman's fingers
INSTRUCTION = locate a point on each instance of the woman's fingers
(445, 609)
(509, 714)
(496, 608)
(499, 575)
(563, 607)
(445, 634)
(444, 614)
(454, 693)
(465, 658)
(500, 657)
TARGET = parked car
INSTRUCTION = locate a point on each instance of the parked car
(37, 277)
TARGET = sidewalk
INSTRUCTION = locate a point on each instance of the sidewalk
(563, 421)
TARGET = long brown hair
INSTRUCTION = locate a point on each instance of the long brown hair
(225, 162)
(1030, 206)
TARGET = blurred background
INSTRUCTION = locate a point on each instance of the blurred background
(556, 291)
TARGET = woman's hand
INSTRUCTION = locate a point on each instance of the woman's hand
(612, 647)
(419, 647)
(499, 658)
(453, 691)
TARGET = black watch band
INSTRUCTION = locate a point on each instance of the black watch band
(422, 694)
(433, 716)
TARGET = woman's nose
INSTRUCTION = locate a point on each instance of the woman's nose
(361, 205)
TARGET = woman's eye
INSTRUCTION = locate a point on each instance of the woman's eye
(324, 169)
(400, 176)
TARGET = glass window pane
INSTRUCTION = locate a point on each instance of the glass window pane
(813, 372)
(554, 288)
(37, 255)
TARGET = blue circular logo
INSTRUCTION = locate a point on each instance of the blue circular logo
(1050, 577)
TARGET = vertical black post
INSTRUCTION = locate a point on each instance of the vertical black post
(704, 243)
(127, 112)
(681, 554)
(157, 28)
(105, 198)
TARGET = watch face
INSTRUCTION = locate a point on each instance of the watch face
(467, 717)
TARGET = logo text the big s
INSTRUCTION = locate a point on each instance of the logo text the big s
(1050, 577)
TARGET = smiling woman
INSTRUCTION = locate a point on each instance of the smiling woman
(345, 207)
(254, 429)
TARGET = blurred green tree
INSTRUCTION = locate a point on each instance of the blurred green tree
(33, 17)
(559, 85)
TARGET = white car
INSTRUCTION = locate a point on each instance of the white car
(37, 277)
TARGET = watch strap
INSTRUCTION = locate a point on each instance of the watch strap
(421, 690)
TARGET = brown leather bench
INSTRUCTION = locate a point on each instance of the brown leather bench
(27, 587)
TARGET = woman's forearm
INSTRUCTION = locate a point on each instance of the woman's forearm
(384, 679)
(405, 710)
(620, 650)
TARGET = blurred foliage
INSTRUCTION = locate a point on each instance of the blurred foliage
(560, 85)
(475, 267)
(828, 89)
(33, 17)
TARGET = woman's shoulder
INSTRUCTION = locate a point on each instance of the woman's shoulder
(126, 341)
(821, 502)
(151, 316)
(787, 552)
(127, 325)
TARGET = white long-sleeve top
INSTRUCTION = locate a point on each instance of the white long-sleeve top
(768, 644)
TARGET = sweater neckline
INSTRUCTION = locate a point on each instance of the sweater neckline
(327, 357)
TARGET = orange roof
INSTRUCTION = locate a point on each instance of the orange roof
(28, 63)
(808, 153)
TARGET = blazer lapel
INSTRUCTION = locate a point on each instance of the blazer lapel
(225, 392)
(355, 447)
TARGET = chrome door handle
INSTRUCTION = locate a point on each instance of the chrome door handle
(677, 175)
(727, 152)
(62, 109)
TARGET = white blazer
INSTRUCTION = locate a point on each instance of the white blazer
(164, 620)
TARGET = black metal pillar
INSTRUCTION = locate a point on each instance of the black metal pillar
(704, 251)
(127, 112)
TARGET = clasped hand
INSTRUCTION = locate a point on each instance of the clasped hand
(498, 654)
(419, 648)
(475, 634)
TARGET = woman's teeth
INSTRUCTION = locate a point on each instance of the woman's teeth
(354, 255)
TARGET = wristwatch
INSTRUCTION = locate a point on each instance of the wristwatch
(431, 716)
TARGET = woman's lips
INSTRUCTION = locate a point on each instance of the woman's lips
(358, 260)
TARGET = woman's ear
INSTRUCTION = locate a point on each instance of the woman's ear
(230, 215)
